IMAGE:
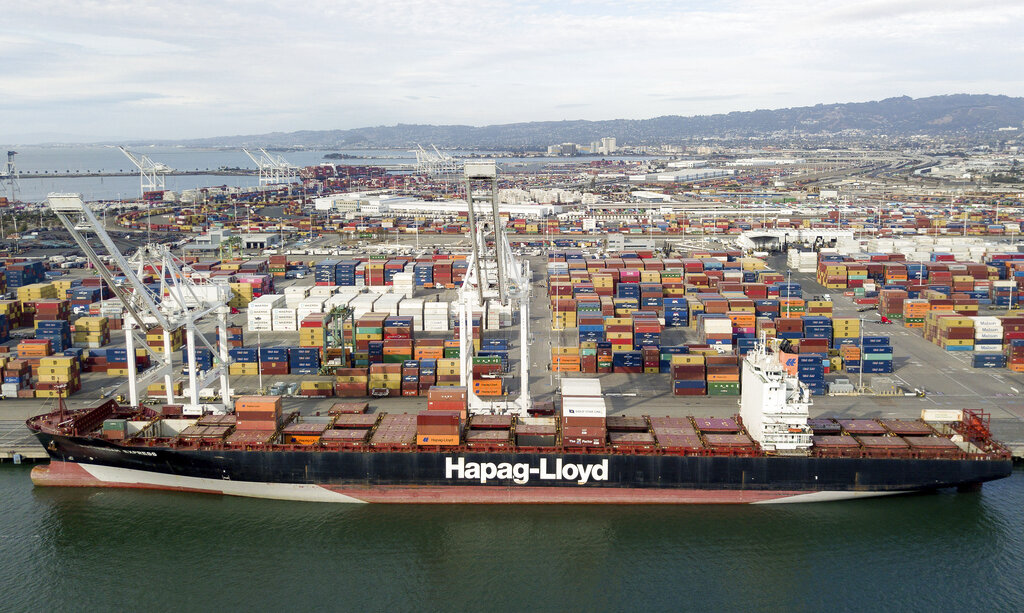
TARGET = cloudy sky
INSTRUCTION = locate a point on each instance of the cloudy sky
(114, 69)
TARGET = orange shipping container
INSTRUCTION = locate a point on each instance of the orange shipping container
(258, 403)
(487, 387)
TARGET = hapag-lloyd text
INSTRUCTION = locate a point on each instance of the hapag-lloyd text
(520, 472)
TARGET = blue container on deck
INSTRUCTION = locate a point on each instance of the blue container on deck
(243, 354)
(875, 341)
(688, 384)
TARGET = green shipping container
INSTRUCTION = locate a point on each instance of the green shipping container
(723, 388)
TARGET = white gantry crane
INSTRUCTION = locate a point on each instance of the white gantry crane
(273, 169)
(436, 164)
(492, 274)
(179, 302)
(152, 175)
(9, 178)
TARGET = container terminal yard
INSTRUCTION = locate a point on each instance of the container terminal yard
(891, 297)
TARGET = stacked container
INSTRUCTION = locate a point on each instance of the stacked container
(452, 398)
(423, 274)
(58, 332)
(58, 376)
(91, 332)
(351, 382)
(811, 372)
(260, 312)
(876, 355)
(274, 360)
(688, 375)
(988, 335)
(258, 413)
(845, 330)
(914, 312)
(284, 319)
(435, 317)
(723, 375)
(316, 388)
(304, 360)
(244, 361)
(402, 284)
(583, 413)
(345, 273)
(294, 295)
(325, 273)
(386, 377)
(17, 378)
(439, 427)
(313, 331)
(412, 308)
(951, 332)
(155, 338)
(1015, 354)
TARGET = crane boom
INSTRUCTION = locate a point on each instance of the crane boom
(152, 175)
(181, 304)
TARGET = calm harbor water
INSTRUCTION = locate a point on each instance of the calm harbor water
(106, 550)
(37, 163)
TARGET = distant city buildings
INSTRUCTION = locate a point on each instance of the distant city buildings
(605, 146)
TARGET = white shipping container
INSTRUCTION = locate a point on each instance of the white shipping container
(941, 415)
(297, 290)
(578, 406)
(580, 387)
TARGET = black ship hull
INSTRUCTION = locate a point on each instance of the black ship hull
(496, 477)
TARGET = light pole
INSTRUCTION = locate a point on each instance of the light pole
(259, 365)
(860, 379)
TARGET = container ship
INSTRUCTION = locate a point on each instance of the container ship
(770, 452)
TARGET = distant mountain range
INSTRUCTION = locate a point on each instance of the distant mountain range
(963, 114)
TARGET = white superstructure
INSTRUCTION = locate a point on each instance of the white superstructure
(774, 405)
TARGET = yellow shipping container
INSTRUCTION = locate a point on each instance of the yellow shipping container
(36, 291)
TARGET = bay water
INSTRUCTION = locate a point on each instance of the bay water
(126, 550)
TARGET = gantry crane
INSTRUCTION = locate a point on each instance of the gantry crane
(493, 273)
(152, 175)
(9, 178)
(273, 169)
(179, 302)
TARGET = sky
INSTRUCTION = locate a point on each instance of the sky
(92, 70)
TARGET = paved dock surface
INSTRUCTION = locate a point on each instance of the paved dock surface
(946, 377)
(15, 438)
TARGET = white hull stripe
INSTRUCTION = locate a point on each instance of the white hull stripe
(826, 497)
(252, 489)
